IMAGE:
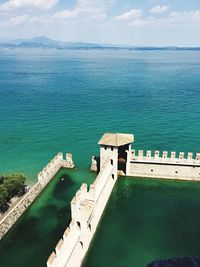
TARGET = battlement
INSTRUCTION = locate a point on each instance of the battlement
(179, 166)
(165, 156)
(88, 205)
(44, 177)
(62, 251)
(53, 166)
(86, 209)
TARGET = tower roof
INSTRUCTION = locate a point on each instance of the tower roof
(116, 139)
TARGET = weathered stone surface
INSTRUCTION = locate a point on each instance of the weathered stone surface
(69, 161)
(8, 221)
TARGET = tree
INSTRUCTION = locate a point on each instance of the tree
(15, 184)
(1, 179)
(11, 186)
(3, 198)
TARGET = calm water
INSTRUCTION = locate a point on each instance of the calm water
(54, 101)
(146, 221)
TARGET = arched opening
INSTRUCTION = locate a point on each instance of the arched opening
(122, 158)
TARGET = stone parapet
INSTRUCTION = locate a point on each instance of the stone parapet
(165, 157)
(8, 221)
(86, 209)
(165, 165)
(44, 177)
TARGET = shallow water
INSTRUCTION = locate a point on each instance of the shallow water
(53, 101)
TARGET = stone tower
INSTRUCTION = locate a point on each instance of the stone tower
(116, 147)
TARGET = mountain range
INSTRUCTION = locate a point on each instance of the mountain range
(46, 43)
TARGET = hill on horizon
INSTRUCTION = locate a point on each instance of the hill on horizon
(45, 42)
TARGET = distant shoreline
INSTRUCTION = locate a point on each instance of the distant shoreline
(46, 43)
(11, 47)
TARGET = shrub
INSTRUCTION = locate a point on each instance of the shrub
(11, 186)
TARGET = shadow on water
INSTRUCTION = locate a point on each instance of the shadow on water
(147, 220)
(62, 186)
(34, 236)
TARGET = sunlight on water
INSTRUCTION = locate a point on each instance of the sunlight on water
(53, 101)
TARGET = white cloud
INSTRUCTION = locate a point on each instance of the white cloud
(16, 4)
(129, 15)
(15, 21)
(86, 9)
(180, 19)
(189, 17)
(96, 4)
(159, 9)
(65, 14)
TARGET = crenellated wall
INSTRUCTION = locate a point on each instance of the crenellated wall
(51, 169)
(87, 207)
(44, 177)
(164, 165)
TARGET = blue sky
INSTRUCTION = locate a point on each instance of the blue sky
(136, 22)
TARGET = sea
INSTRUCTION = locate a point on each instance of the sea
(63, 101)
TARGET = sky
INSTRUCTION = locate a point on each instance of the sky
(133, 22)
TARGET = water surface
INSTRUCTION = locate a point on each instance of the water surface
(147, 220)
(53, 101)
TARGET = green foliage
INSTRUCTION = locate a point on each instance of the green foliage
(11, 186)
(3, 198)
(1, 179)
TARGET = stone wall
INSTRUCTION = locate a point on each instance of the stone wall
(87, 207)
(93, 166)
(8, 221)
(164, 166)
(44, 177)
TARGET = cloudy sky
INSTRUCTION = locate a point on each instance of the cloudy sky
(136, 22)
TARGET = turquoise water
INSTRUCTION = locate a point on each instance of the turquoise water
(53, 101)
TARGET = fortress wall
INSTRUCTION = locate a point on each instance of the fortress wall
(106, 153)
(101, 179)
(183, 167)
(86, 210)
(102, 200)
(44, 177)
(8, 221)
(51, 169)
